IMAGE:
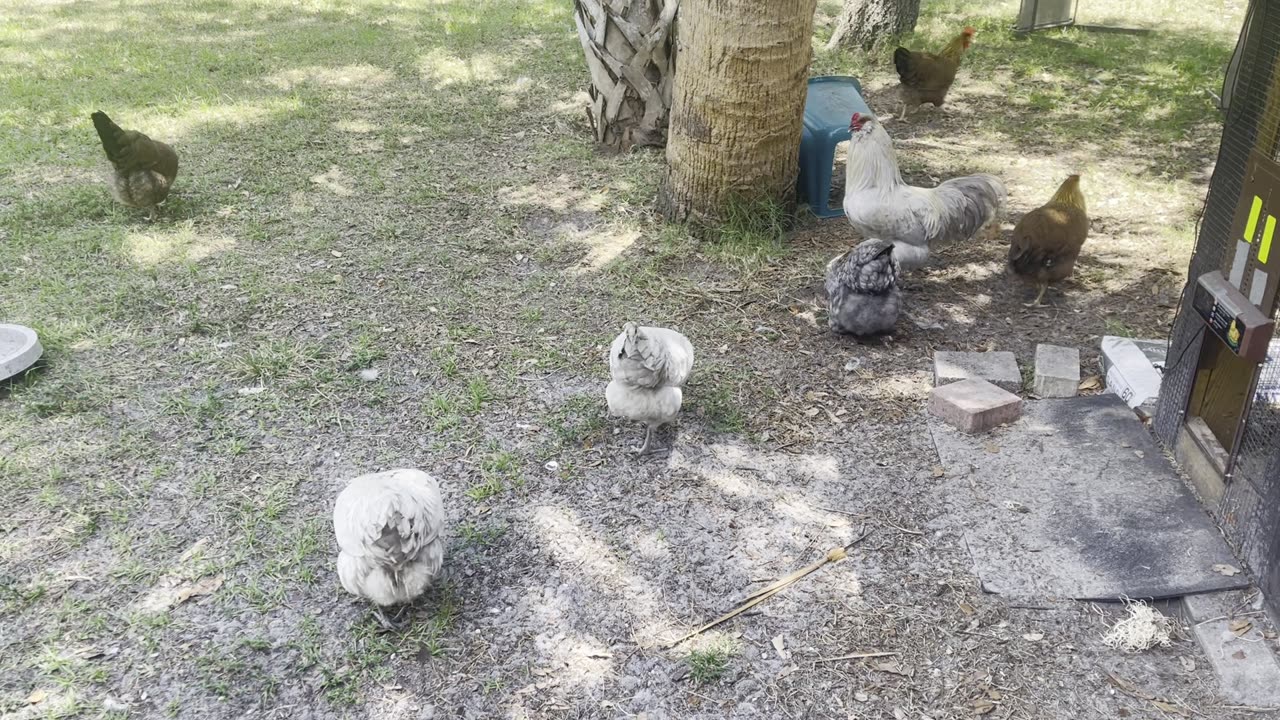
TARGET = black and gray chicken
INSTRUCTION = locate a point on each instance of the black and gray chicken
(862, 289)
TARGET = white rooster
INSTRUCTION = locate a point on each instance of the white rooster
(390, 529)
(862, 289)
(880, 205)
(649, 367)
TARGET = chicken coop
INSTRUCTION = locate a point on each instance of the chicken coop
(1219, 407)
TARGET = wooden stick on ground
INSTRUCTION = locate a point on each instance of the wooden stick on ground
(833, 555)
(855, 656)
(1132, 691)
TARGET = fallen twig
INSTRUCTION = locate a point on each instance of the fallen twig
(985, 635)
(882, 521)
(937, 146)
(833, 555)
(1228, 617)
(779, 584)
(855, 656)
(844, 512)
(1131, 690)
(899, 528)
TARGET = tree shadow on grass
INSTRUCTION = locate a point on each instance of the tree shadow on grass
(1138, 99)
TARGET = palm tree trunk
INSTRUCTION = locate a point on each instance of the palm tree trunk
(863, 22)
(630, 51)
(738, 105)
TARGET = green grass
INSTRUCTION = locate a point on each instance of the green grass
(719, 399)
(499, 471)
(444, 413)
(478, 393)
(751, 232)
(364, 353)
(480, 536)
(580, 420)
(276, 359)
(1117, 327)
(1139, 97)
(709, 664)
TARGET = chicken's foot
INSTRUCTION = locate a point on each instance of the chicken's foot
(1039, 296)
(648, 437)
(398, 621)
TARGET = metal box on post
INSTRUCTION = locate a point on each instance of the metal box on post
(1041, 14)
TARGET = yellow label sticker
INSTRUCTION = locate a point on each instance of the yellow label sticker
(1252, 226)
(1264, 247)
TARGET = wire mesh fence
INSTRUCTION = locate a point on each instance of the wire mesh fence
(1249, 510)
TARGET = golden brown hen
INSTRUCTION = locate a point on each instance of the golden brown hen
(1047, 240)
(143, 169)
(926, 77)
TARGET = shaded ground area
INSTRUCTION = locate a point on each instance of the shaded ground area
(410, 188)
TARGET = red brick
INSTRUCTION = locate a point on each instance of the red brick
(974, 405)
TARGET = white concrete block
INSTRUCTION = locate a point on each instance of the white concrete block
(1248, 671)
(1057, 371)
(997, 368)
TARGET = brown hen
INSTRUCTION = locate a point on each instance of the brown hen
(1046, 242)
(143, 169)
(926, 77)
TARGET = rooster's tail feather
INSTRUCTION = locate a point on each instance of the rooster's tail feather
(969, 204)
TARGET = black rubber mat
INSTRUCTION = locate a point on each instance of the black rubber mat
(1075, 500)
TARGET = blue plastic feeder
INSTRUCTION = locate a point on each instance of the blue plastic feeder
(831, 101)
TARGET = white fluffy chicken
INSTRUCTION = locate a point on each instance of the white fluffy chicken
(862, 290)
(880, 205)
(649, 367)
(390, 529)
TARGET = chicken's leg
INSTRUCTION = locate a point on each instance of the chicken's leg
(392, 623)
(1036, 303)
(648, 437)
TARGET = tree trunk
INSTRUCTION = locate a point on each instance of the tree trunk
(630, 52)
(738, 105)
(863, 22)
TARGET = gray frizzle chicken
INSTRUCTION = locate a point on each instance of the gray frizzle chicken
(648, 367)
(862, 289)
(391, 539)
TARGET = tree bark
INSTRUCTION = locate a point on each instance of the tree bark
(863, 22)
(630, 52)
(738, 105)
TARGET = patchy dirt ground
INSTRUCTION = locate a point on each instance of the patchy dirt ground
(409, 188)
